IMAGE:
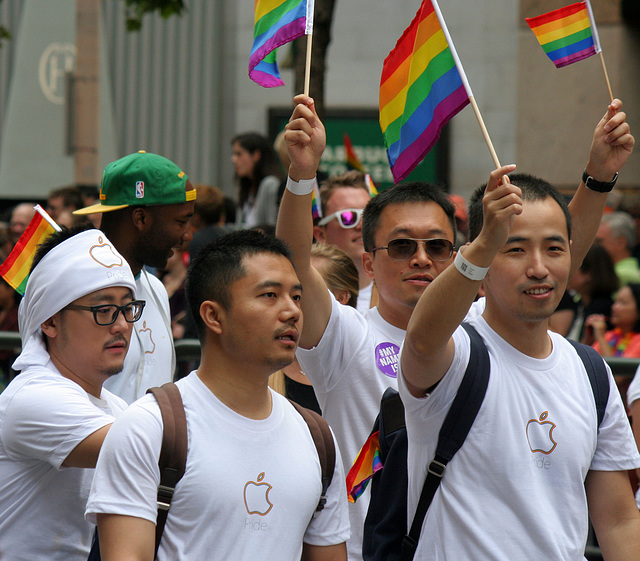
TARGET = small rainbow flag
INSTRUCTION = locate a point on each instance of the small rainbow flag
(276, 22)
(367, 463)
(371, 186)
(568, 34)
(422, 87)
(15, 268)
(316, 207)
(353, 162)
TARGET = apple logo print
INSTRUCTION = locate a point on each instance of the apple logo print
(256, 496)
(103, 253)
(146, 338)
(540, 434)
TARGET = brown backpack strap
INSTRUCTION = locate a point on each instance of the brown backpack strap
(323, 440)
(173, 454)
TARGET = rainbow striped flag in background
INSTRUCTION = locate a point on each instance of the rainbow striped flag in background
(568, 34)
(352, 160)
(316, 207)
(15, 268)
(276, 22)
(367, 463)
(422, 87)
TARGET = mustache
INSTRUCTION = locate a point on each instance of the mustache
(117, 339)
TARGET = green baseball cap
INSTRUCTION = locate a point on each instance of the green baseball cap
(141, 179)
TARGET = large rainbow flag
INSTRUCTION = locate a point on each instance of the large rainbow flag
(568, 34)
(367, 463)
(15, 268)
(421, 88)
(276, 22)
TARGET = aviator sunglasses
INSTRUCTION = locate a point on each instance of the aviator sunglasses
(347, 217)
(401, 249)
(106, 314)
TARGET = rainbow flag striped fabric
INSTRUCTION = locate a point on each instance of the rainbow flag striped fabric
(421, 89)
(568, 34)
(371, 186)
(351, 158)
(316, 207)
(276, 22)
(15, 268)
(367, 463)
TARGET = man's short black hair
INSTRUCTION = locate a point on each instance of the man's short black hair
(413, 192)
(219, 264)
(56, 239)
(533, 189)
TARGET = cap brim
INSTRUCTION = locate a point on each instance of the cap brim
(98, 208)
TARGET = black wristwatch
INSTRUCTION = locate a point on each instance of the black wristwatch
(598, 186)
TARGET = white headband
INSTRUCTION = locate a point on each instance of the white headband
(76, 267)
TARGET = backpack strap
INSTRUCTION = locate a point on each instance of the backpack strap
(323, 440)
(173, 454)
(454, 430)
(598, 377)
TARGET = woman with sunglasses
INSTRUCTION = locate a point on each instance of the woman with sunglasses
(259, 176)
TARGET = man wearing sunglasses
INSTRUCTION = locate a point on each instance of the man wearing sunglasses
(408, 234)
(75, 318)
(343, 198)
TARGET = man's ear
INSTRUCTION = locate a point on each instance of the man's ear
(213, 315)
(367, 264)
(50, 327)
(142, 218)
(319, 234)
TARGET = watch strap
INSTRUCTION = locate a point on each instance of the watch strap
(598, 186)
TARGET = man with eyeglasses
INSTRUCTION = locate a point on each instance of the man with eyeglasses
(146, 203)
(408, 233)
(343, 198)
(75, 318)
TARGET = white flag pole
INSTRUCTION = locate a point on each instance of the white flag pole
(596, 41)
(309, 33)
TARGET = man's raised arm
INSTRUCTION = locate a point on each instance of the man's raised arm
(611, 147)
(428, 347)
(305, 139)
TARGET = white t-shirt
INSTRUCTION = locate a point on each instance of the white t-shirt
(515, 490)
(43, 417)
(150, 360)
(364, 298)
(250, 488)
(354, 363)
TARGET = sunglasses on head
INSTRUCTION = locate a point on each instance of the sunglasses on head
(401, 249)
(347, 218)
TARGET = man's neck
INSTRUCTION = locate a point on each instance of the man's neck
(364, 280)
(396, 317)
(529, 338)
(241, 390)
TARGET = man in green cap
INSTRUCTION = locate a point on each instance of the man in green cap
(146, 201)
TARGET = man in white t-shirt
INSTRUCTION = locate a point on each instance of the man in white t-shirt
(342, 199)
(408, 233)
(75, 322)
(253, 479)
(146, 201)
(535, 464)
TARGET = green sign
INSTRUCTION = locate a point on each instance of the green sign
(363, 128)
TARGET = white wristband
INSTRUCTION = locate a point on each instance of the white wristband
(468, 269)
(302, 187)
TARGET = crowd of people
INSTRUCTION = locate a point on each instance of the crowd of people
(329, 313)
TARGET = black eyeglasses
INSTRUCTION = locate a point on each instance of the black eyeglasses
(404, 248)
(106, 314)
(347, 218)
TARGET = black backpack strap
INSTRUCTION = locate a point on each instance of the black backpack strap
(598, 377)
(453, 433)
(173, 454)
(323, 440)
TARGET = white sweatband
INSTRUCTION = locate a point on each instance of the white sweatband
(302, 187)
(468, 269)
